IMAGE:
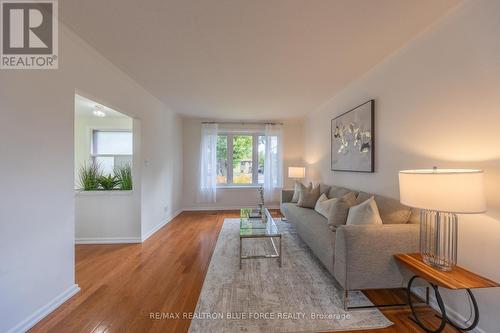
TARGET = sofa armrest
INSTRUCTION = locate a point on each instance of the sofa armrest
(286, 196)
(364, 255)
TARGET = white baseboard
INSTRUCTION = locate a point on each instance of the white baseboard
(45, 310)
(450, 313)
(201, 208)
(161, 225)
(109, 240)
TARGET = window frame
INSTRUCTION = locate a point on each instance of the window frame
(255, 159)
(93, 143)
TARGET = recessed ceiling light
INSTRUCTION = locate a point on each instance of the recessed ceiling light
(98, 112)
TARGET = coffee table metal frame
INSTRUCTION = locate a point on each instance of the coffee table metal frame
(271, 232)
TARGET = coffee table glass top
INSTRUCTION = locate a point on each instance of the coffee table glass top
(257, 226)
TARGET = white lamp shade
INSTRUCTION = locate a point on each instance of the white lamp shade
(297, 172)
(458, 191)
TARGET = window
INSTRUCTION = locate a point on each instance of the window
(240, 159)
(222, 159)
(111, 149)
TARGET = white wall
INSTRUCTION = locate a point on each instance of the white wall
(37, 172)
(107, 217)
(437, 103)
(162, 170)
(235, 198)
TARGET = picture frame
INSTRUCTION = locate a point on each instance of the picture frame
(352, 139)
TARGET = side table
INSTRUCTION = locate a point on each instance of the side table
(457, 279)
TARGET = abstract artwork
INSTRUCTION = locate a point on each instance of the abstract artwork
(352, 139)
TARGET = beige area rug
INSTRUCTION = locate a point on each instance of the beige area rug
(301, 296)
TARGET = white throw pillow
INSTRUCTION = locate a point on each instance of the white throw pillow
(297, 189)
(323, 205)
(364, 213)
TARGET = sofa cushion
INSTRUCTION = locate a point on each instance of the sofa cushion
(364, 213)
(340, 209)
(308, 198)
(391, 210)
(338, 192)
(313, 229)
(324, 189)
(323, 205)
(414, 216)
(296, 192)
(287, 209)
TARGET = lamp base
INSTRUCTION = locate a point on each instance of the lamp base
(438, 239)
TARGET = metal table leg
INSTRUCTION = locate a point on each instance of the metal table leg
(439, 300)
(443, 317)
(281, 255)
(475, 321)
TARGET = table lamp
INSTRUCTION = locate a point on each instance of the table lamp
(296, 173)
(441, 194)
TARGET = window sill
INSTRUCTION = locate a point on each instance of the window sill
(103, 193)
(238, 187)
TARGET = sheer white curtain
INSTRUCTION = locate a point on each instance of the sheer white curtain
(207, 189)
(273, 161)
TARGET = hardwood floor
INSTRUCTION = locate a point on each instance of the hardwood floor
(122, 284)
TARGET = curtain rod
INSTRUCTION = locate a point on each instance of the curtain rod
(241, 122)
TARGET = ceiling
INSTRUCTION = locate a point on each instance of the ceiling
(85, 107)
(248, 59)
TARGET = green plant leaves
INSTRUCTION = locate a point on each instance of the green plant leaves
(108, 182)
(88, 175)
(91, 178)
(124, 175)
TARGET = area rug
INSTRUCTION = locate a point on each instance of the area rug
(301, 296)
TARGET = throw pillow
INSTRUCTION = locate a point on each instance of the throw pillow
(324, 189)
(338, 192)
(340, 209)
(296, 192)
(323, 205)
(308, 198)
(364, 213)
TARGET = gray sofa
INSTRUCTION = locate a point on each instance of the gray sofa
(358, 256)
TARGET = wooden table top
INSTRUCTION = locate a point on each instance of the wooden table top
(458, 278)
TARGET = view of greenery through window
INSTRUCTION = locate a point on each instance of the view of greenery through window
(222, 165)
(235, 159)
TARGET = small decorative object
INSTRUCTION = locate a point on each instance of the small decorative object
(261, 204)
(441, 194)
(352, 139)
(254, 213)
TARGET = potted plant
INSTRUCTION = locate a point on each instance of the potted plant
(88, 176)
(124, 176)
(108, 183)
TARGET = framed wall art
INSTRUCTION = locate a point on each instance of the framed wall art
(353, 139)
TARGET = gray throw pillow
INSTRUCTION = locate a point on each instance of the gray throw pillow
(339, 192)
(296, 192)
(391, 210)
(324, 189)
(363, 196)
(340, 210)
(364, 213)
(308, 198)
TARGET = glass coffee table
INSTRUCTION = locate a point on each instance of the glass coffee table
(254, 227)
